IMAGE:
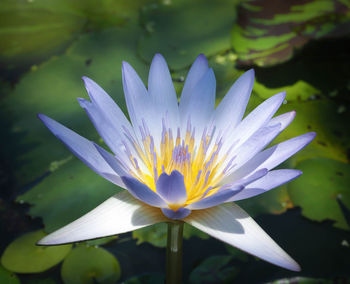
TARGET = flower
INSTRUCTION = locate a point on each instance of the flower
(186, 160)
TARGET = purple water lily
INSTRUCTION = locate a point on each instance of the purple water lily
(182, 160)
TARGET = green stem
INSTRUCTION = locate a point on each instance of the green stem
(174, 253)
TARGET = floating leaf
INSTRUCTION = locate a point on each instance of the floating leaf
(157, 234)
(145, 279)
(301, 280)
(183, 29)
(321, 116)
(267, 32)
(67, 194)
(53, 87)
(275, 201)
(299, 91)
(90, 265)
(317, 192)
(24, 256)
(32, 30)
(101, 241)
(8, 277)
(215, 269)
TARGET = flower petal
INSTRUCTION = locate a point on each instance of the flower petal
(176, 215)
(162, 91)
(118, 214)
(286, 149)
(275, 155)
(271, 180)
(220, 197)
(254, 120)
(82, 148)
(112, 161)
(201, 104)
(172, 187)
(105, 114)
(233, 105)
(198, 69)
(136, 96)
(143, 192)
(230, 224)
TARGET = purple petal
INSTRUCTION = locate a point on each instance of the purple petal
(201, 104)
(271, 180)
(143, 192)
(176, 215)
(162, 91)
(172, 188)
(220, 197)
(197, 71)
(112, 161)
(82, 148)
(258, 118)
(233, 105)
(252, 178)
(136, 96)
(286, 149)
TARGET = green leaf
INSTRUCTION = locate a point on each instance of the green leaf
(24, 256)
(299, 91)
(316, 192)
(32, 31)
(8, 277)
(183, 29)
(53, 87)
(301, 280)
(275, 201)
(145, 279)
(321, 116)
(215, 269)
(101, 241)
(67, 194)
(90, 265)
(268, 32)
(157, 234)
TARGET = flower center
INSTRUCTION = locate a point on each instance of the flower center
(199, 162)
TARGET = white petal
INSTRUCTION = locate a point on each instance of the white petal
(232, 107)
(84, 149)
(230, 224)
(118, 214)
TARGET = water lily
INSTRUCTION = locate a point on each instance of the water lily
(183, 160)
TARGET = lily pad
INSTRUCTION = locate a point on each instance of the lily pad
(317, 192)
(24, 256)
(275, 201)
(67, 194)
(52, 88)
(181, 30)
(301, 280)
(157, 234)
(32, 30)
(90, 265)
(300, 91)
(8, 277)
(268, 32)
(146, 279)
(321, 116)
(215, 269)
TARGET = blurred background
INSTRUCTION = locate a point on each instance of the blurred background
(46, 46)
